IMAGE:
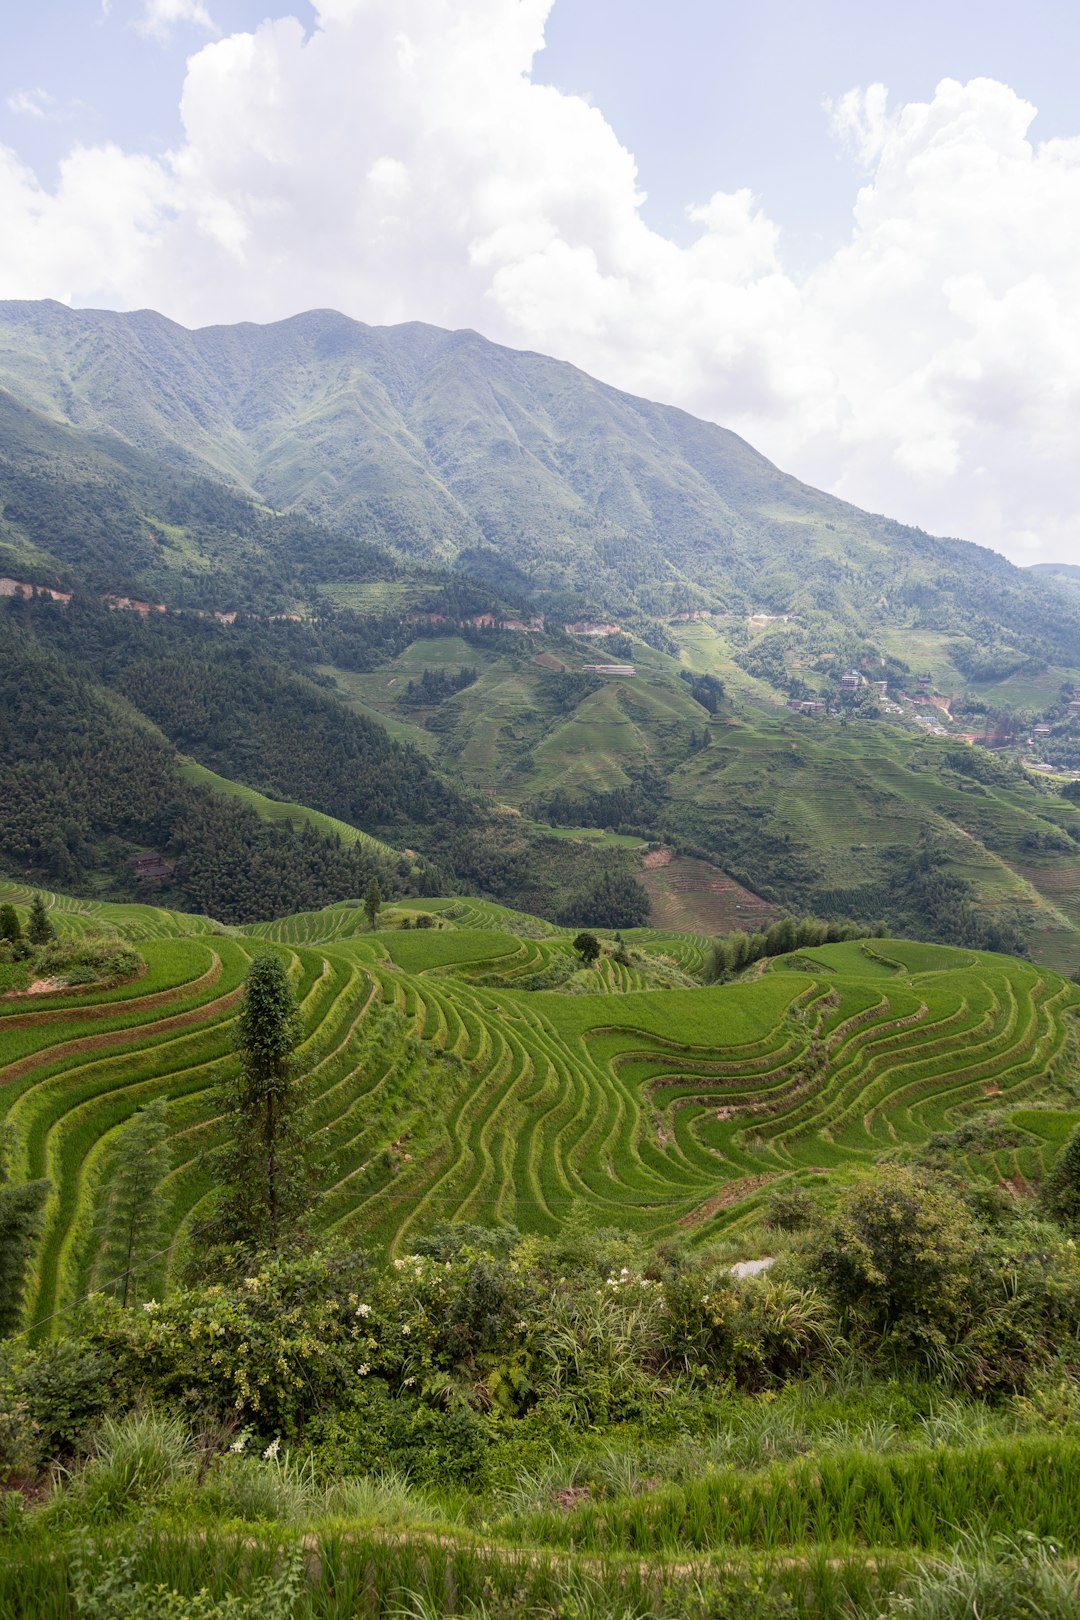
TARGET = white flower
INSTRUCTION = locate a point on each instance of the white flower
(363, 1310)
(271, 1451)
(238, 1444)
(398, 1263)
(406, 1330)
(409, 1381)
(151, 1305)
(363, 1369)
(522, 1327)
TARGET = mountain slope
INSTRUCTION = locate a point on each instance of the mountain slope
(448, 447)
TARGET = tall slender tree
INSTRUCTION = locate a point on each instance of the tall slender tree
(10, 926)
(21, 1216)
(130, 1227)
(373, 901)
(265, 1171)
(39, 930)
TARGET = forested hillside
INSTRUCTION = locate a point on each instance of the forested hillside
(446, 448)
(101, 709)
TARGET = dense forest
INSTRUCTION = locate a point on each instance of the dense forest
(97, 703)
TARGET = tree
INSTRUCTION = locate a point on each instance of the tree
(10, 926)
(39, 930)
(900, 1256)
(21, 1211)
(1061, 1190)
(130, 1227)
(587, 947)
(373, 901)
(616, 900)
(265, 1169)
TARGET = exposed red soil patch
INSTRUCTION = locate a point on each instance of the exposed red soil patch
(692, 896)
(108, 1009)
(118, 1037)
(725, 1197)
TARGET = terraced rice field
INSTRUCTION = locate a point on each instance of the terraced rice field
(444, 1087)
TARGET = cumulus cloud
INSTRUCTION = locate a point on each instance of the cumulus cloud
(398, 162)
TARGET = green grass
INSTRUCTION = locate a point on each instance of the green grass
(276, 810)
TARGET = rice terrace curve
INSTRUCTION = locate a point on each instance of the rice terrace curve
(447, 1083)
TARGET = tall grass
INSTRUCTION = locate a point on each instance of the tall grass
(363, 1577)
(923, 1499)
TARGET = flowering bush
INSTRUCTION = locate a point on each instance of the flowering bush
(757, 1332)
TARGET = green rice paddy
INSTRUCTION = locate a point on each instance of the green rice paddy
(449, 1083)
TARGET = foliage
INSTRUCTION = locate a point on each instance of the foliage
(105, 957)
(21, 1221)
(39, 929)
(616, 901)
(372, 901)
(899, 1258)
(587, 947)
(130, 1226)
(1060, 1192)
(265, 1170)
(757, 1333)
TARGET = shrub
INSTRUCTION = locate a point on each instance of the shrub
(85, 961)
(756, 1332)
(380, 1433)
(790, 1208)
(65, 1388)
(899, 1258)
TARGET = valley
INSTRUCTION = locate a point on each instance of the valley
(539, 1023)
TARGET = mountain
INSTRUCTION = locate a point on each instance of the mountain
(372, 503)
(449, 449)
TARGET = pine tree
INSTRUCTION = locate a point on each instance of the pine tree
(130, 1228)
(1061, 1189)
(21, 1213)
(373, 901)
(264, 1170)
(10, 926)
(39, 930)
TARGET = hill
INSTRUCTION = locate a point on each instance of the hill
(521, 469)
(448, 1082)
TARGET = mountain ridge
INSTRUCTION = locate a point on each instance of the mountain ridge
(519, 468)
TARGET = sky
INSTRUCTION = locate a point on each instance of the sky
(849, 232)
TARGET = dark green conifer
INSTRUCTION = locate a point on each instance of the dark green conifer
(39, 930)
(1061, 1189)
(373, 901)
(131, 1226)
(21, 1214)
(265, 1172)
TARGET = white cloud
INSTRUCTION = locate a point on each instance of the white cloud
(34, 103)
(398, 163)
(160, 17)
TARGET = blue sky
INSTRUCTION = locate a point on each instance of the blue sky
(858, 240)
